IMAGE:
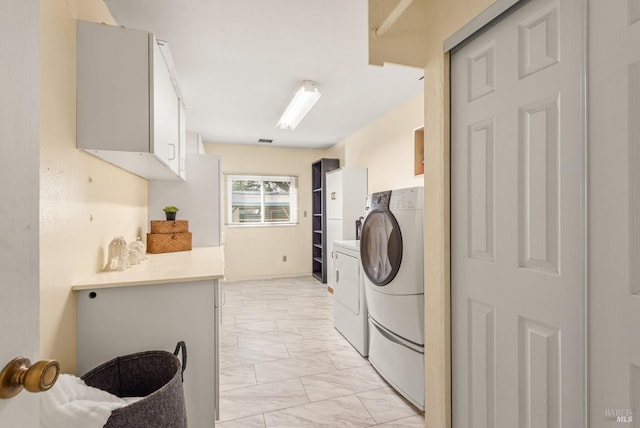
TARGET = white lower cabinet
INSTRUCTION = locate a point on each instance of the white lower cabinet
(349, 304)
(127, 319)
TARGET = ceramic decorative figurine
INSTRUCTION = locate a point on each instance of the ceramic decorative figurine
(137, 252)
(118, 255)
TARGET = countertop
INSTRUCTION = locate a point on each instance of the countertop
(352, 244)
(199, 264)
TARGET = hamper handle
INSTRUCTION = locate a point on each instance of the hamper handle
(181, 346)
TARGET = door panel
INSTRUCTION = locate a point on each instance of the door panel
(481, 184)
(614, 213)
(517, 221)
(19, 168)
(334, 233)
(166, 114)
(539, 190)
(347, 288)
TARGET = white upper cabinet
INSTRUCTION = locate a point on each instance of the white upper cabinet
(128, 112)
(346, 194)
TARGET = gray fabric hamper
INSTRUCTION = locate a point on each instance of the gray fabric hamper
(154, 375)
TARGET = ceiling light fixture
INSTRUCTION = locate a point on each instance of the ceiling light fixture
(300, 105)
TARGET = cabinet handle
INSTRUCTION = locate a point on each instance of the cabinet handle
(172, 151)
(333, 196)
(337, 276)
(19, 374)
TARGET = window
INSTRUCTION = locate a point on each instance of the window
(261, 200)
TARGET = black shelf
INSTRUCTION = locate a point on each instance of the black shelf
(319, 171)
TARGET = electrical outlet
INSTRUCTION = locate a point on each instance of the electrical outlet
(284, 258)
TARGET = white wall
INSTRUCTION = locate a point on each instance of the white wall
(84, 201)
(256, 252)
(19, 55)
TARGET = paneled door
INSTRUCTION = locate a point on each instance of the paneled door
(614, 213)
(517, 221)
(20, 189)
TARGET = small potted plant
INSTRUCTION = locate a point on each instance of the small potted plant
(171, 211)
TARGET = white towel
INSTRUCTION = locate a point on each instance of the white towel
(70, 403)
(378, 253)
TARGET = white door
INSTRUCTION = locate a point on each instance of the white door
(19, 147)
(347, 281)
(334, 233)
(334, 194)
(614, 213)
(333, 212)
(517, 221)
(166, 115)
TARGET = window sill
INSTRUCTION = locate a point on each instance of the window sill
(249, 225)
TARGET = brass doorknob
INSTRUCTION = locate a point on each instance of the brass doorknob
(19, 374)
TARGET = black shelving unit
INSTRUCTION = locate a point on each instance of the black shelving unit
(319, 171)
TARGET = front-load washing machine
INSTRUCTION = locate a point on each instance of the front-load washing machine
(392, 257)
(350, 315)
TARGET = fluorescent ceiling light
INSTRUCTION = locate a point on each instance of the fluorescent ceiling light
(300, 105)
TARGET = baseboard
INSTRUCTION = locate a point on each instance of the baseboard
(266, 277)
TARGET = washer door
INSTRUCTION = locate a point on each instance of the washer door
(381, 247)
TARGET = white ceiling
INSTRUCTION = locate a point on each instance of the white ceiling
(239, 62)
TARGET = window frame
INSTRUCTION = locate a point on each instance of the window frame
(262, 178)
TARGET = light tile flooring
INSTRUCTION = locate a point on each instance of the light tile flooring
(282, 364)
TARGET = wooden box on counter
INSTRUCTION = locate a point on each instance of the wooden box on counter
(169, 237)
(177, 226)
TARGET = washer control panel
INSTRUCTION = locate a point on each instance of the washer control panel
(405, 199)
(380, 201)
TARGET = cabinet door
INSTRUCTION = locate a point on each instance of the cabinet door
(182, 145)
(112, 89)
(347, 276)
(334, 233)
(155, 316)
(165, 144)
(334, 195)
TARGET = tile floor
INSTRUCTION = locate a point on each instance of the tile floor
(282, 364)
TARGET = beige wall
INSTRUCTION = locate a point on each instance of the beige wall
(385, 147)
(84, 202)
(256, 252)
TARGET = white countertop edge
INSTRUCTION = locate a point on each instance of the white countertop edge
(199, 264)
(145, 282)
(350, 244)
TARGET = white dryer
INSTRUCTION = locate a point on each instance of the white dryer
(392, 257)
(350, 314)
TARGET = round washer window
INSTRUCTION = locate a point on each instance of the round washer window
(381, 247)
